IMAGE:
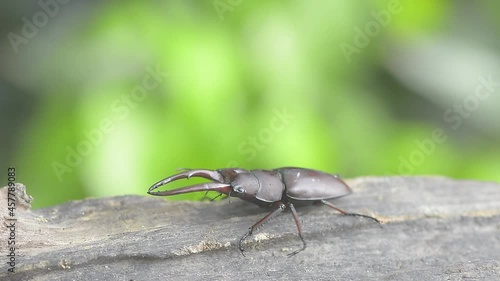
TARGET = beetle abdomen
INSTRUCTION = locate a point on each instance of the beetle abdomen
(310, 185)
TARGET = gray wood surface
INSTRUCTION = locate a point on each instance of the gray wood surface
(434, 229)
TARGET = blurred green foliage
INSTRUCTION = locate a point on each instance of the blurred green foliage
(129, 92)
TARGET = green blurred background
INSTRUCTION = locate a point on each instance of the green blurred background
(102, 99)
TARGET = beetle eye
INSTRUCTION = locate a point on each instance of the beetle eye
(239, 189)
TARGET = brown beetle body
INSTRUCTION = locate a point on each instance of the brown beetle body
(278, 189)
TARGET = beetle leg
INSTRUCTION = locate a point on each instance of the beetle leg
(329, 204)
(299, 229)
(218, 195)
(278, 207)
(205, 197)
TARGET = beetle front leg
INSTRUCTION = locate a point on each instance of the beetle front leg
(278, 207)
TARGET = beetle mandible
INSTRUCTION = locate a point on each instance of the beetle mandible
(278, 189)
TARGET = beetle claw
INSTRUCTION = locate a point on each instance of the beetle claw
(218, 185)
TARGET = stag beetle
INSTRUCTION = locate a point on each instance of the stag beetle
(278, 189)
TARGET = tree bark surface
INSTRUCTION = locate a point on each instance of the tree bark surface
(434, 228)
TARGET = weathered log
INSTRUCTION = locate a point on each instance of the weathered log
(434, 229)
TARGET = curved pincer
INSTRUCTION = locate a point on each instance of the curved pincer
(218, 185)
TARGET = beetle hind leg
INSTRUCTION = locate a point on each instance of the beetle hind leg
(343, 212)
(348, 213)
